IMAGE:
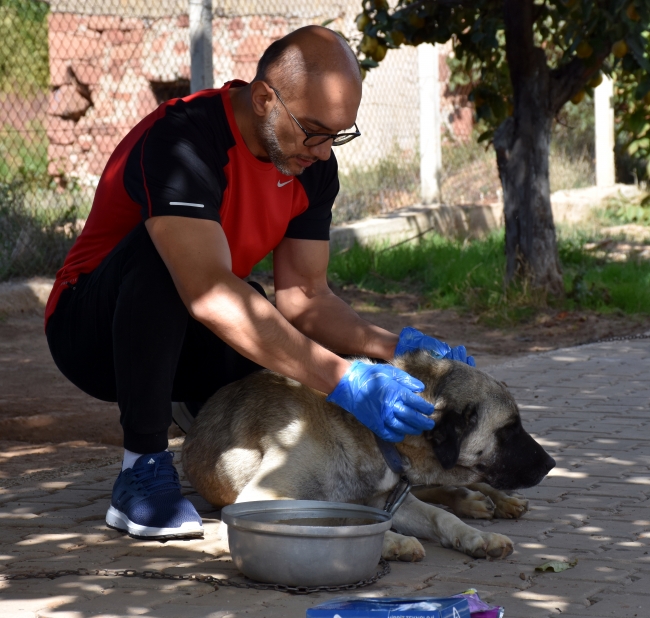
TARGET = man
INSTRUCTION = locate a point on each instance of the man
(150, 306)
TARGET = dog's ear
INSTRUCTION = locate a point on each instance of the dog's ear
(447, 435)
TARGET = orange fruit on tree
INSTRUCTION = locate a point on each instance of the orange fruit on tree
(380, 52)
(397, 36)
(632, 13)
(619, 49)
(577, 97)
(362, 21)
(368, 45)
(584, 50)
(595, 81)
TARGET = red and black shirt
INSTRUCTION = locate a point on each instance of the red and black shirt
(187, 158)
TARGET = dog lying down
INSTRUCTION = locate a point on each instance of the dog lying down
(267, 437)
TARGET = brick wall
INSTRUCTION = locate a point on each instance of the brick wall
(108, 72)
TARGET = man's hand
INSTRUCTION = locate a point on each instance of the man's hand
(411, 339)
(383, 398)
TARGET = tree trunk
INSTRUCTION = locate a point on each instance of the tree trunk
(522, 145)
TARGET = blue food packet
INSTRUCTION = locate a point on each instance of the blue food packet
(406, 607)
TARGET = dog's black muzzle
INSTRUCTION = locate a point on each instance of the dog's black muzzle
(521, 462)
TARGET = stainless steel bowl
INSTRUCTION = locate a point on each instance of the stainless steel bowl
(305, 542)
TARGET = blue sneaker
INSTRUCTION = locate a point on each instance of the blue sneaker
(147, 501)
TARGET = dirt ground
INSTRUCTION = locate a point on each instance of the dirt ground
(49, 427)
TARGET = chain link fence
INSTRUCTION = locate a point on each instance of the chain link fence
(76, 75)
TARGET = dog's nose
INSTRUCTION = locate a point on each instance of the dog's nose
(550, 463)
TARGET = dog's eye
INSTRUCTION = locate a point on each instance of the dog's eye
(479, 453)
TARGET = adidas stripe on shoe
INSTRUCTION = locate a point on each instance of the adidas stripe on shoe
(147, 501)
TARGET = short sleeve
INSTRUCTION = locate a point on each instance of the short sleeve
(321, 184)
(175, 168)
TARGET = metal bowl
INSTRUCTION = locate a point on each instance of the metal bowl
(305, 542)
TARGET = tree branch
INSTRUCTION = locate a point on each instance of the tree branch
(569, 79)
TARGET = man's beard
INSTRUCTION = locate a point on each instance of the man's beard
(268, 138)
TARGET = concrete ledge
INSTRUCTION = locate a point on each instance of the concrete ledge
(457, 221)
(576, 205)
(467, 221)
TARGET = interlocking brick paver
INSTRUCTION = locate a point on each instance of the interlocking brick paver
(587, 406)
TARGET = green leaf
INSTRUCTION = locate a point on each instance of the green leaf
(557, 566)
(637, 121)
(486, 135)
(327, 22)
(636, 47)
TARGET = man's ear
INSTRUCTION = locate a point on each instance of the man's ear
(447, 435)
(261, 98)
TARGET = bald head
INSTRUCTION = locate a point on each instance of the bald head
(307, 83)
(301, 61)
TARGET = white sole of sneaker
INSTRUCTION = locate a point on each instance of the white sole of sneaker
(119, 521)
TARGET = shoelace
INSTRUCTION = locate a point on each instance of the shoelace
(163, 477)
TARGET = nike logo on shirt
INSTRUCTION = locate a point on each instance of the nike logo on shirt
(281, 184)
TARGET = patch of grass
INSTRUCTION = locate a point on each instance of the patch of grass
(620, 211)
(24, 65)
(265, 265)
(23, 154)
(469, 276)
(604, 285)
(38, 225)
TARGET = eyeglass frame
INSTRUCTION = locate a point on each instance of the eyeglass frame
(326, 136)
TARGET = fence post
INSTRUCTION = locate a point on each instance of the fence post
(200, 44)
(430, 149)
(604, 121)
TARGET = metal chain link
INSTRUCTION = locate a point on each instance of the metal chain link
(215, 582)
(622, 338)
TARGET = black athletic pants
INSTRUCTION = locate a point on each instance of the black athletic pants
(123, 334)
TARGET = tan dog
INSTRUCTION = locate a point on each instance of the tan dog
(267, 437)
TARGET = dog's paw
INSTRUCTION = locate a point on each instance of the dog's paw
(498, 545)
(400, 547)
(509, 507)
(475, 505)
(483, 544)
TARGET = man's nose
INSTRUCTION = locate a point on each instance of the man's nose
(322, 151)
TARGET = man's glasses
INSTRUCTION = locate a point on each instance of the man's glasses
(316, 139)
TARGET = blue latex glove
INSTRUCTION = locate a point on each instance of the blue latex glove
(411, 339)
(383, 398)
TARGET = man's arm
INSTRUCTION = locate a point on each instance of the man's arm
(197, 255)
(304, 299)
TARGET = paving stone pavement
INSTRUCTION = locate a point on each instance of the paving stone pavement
(588, 406)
